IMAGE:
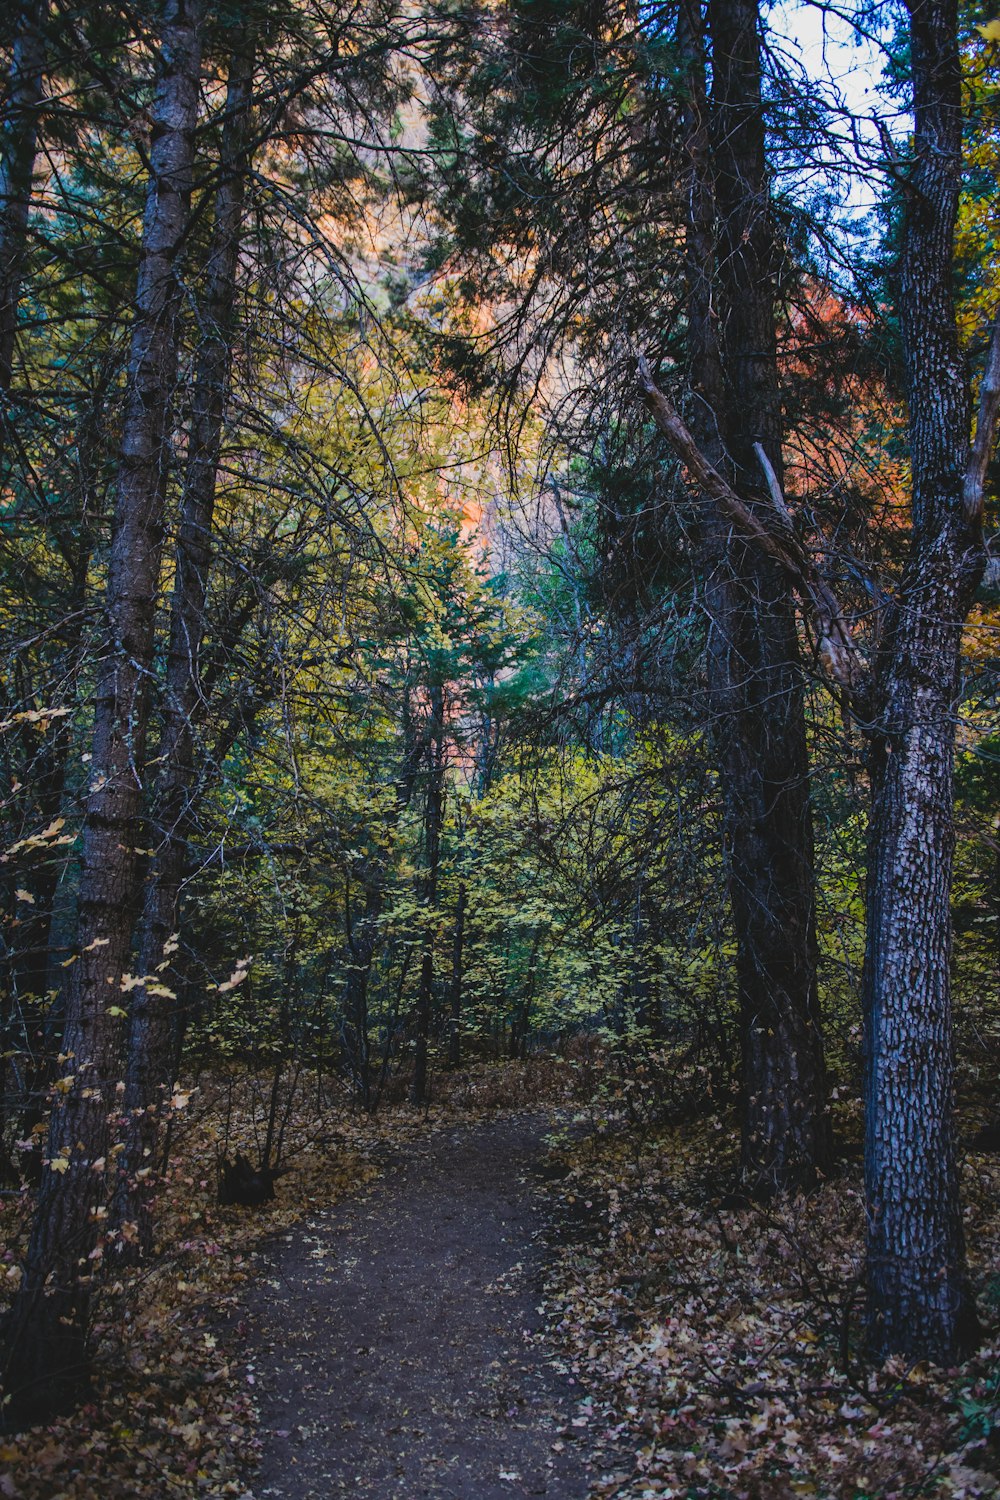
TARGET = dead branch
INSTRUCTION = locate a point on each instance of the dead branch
(838, 650)
(774, 488)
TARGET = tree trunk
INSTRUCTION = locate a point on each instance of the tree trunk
(33, 1020)
(433, 813)
(362, 940)
(457, 978)
(644, 990)
(46, 1333)
(18, 145)
(33, 965)
(152, 1051)
(919, 1301)
(755, 679)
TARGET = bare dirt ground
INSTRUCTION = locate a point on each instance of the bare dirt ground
(394, 1343)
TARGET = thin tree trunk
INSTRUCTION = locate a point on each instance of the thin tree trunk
(457, 978)
(30, 967)
(919, 1300)
(362, 939)
(33, 963)
(37, 1025)
(152, 1018)
(433, 813)
(18, 145)
(520, 1021)
(645, 995)
(755, 680)
(46, 1333)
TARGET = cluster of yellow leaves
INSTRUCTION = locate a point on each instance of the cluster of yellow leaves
(49, 837)
(41, 716)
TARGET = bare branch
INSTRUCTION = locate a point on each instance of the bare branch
(707, 476)
(773, 487)
(838, 649)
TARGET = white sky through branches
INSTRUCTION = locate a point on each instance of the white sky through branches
(846, 69)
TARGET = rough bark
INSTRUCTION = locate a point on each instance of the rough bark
(755, 679)
(153, 1019)
(919, 1301)
(838, 652)
(46, 1333)
(18, 145)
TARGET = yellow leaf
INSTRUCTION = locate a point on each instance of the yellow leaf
(59, 1164)
(237, 977)
(990, 32)
(25, 896)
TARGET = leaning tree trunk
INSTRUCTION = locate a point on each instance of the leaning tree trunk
(919, 1301)
(46, 1333)
(18, 145)
(755, 678)
(152, 1049)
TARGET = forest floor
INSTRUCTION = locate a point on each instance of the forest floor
(396, 1343)
(438, 1306)
(376, 1330)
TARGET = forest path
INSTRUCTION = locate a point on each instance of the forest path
(394, 1341)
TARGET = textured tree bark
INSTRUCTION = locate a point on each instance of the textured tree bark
(152, 1050)
(919, 1300)
(18, 145)
(755, 679)
(45, 1363)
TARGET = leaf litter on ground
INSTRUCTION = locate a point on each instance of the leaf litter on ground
(722, 1343)
(168, 1417)
(716, 1346)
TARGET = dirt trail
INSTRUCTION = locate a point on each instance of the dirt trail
(394, 1340)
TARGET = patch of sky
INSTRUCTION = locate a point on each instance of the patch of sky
(836, 116)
